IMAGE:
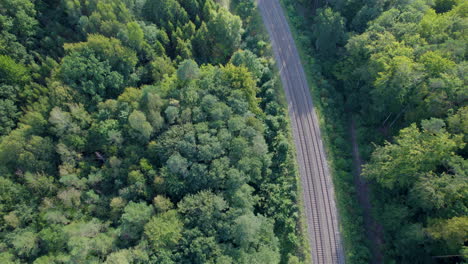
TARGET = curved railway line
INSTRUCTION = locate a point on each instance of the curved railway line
(319, 195)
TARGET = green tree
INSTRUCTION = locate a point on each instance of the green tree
(135, 35)
(452, 231)
(166, 13)
(226, 31)
(161, 67)
(248, 59)
(162, 204)
(164, 230)
(328, 31)
(188, 70)
(9, 114)
(442, 6)
(172, 114)
(8, 258)
(240, 78)
(133, 220)
(395, 85)
(204, 211)
(11, 72)
(221, 36)
(120, 58)
(25, 243)
(21, 17)
(84, 72)
(25, 152)
(400, 164)
(137, 121)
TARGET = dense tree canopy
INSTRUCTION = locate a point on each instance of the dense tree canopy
(399, 69)
(121, 143)
(411, 67)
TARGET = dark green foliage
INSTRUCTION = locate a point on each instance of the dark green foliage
(9, 111)
(328, 32)
(168, 14)
(216, 40)
(18, 25)
(99, 68)
(95, 79)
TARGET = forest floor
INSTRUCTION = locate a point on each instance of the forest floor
(373, 229)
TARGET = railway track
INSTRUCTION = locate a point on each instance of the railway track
(319, 196)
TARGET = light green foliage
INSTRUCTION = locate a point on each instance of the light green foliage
(119, 257)
(422, 165)
(393, 87)
(133, 220)
(27, 152)
(8, 258)
(226, 30)
(250, 230)
(435, 63)
(25, 243)
(161, 67)
(152, 104)
(137, 121)
(131, 96)
(125, 256)
(188, 70)
(458, 123)
(385, 62)
(204, 212)
(240, 78)
(399, 165)
(94, 78)
(162, 204)
(178, 164)
(60, 120)
(443, 193)
(135, 35)
(12, 72)
(452, 231)
(164, 230)
(94, 16)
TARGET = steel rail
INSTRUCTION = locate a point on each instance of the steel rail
(319, 197)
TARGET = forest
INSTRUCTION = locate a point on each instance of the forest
(399, 68)
(145, 131)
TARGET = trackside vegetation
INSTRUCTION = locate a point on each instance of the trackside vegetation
(333, 122)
